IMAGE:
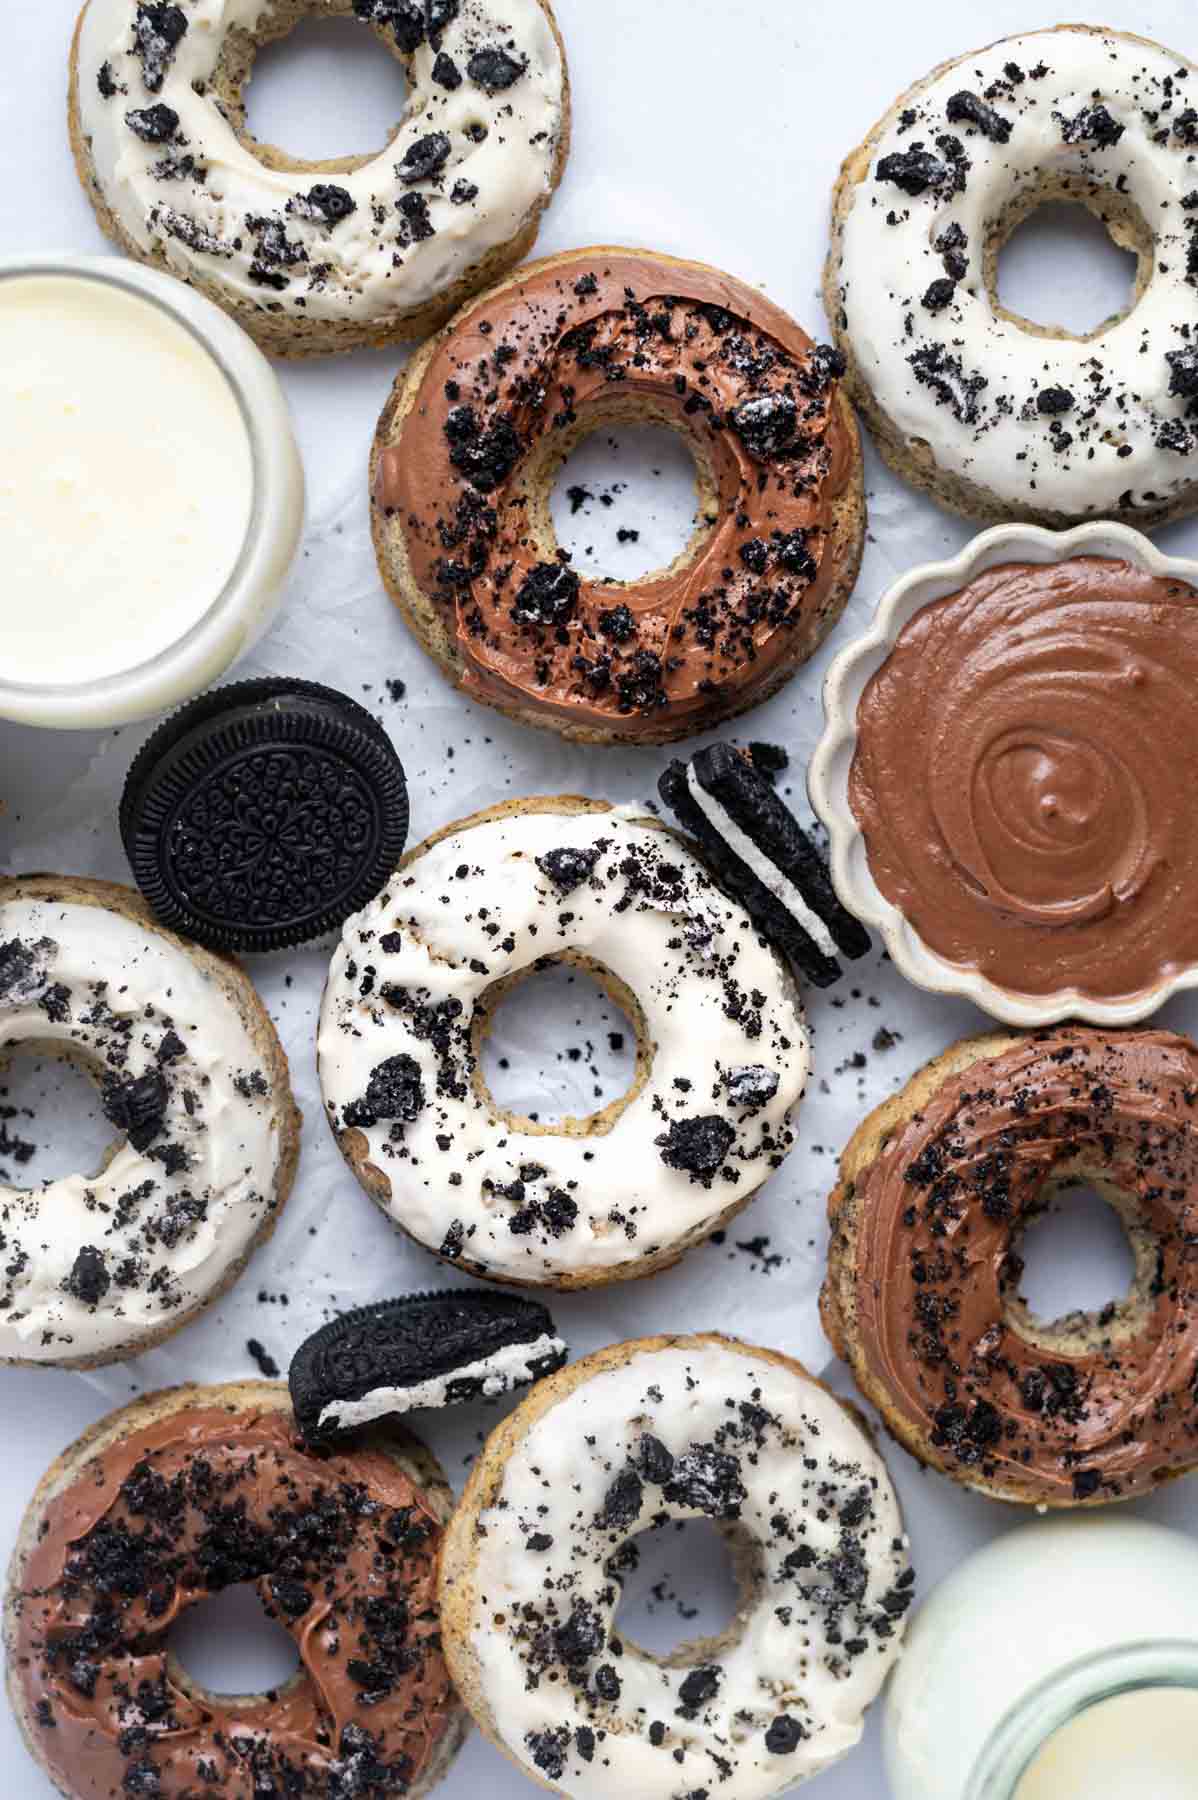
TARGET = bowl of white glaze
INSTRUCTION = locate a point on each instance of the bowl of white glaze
(151, 491)
(828, 776)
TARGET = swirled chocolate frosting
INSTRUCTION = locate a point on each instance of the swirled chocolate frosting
(343, 1551)
(600, 337)
(1025, 773)
(1098, 1408)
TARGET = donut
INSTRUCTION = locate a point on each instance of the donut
(640, 1436)
(994, 416)
(184, 1493)
(312, 257)
(761, 855)
(722, 1050)
(481, 420)
(921, 1296)
(264, 813)
(192, 1077)
(425, 1350)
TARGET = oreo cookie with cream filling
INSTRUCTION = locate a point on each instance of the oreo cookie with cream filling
(760, 855)
(424, 1350)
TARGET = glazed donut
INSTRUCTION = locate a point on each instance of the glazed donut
(184, 1493)
(994, 416)
(191, 1074)
(921, 1296)
(319, 256)
(632, 1438)
(722, 1050)
(482, 419)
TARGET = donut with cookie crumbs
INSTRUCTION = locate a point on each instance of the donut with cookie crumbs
(312, 257)
(642, 1436)
(194, 1082)
(483, 418)
(185, 1493)
(722, 1050)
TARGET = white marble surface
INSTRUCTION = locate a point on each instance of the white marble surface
(706, 129)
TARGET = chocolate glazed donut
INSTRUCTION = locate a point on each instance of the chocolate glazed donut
(921, 1296)
(478, 426)
(187, 1492)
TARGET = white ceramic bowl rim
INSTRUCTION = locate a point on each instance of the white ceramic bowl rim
(229, 623)
(828, 774)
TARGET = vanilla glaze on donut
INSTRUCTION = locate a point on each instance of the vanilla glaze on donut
(1034, 422)
(489, 901)
(474, 154)
(684, 1429)
(100, 1265)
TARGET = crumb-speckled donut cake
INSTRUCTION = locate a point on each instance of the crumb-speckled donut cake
(643, 1436)
(994, 415)
(483, 418)
(320, 256)
(192, 1079)
(722, 1050)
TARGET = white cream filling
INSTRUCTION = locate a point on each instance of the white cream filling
(121, 982)
(789, 1659)
(453, 1168)
(759, 864)
(498, 1374)
(888, 259)
(367, 272)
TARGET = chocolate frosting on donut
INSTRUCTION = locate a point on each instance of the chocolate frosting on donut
(628, 336)
(1025, 772)
(938, 1333)
(343, 1549)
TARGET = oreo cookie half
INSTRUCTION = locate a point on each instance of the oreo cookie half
(427, 1350)
(762, 857)
(264, 814)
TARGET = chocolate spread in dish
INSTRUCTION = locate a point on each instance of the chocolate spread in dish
(629, 336)
(1025, 776)
(938, 1213)
(343, 1550)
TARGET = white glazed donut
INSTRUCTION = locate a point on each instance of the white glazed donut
(316, 256)
(191, 1076)
(997, 419)
(637, 1437)
(723, 1052)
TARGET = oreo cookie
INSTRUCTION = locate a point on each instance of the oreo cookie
(760, 855)
(426, 1350)
(264, 814)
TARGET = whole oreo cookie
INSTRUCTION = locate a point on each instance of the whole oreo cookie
(264, 814)
(760, 855)
(428, 1350)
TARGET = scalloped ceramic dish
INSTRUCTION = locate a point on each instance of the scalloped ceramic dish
(828, 776)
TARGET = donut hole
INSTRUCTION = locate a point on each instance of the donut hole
(51, 1124)
(1082, 1270)
(303, 92)
(226, 1644)
(1068, 260)
(685, 1589)
(625, 503)
(558, 1046)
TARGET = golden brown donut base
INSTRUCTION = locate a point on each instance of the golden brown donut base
(281, 334)
(428, 622)
(413, 1459)
(913, 460)
(354, 1145)
(237, 986)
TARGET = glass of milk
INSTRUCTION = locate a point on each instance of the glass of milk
(1060, 1662)
(151, 491)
